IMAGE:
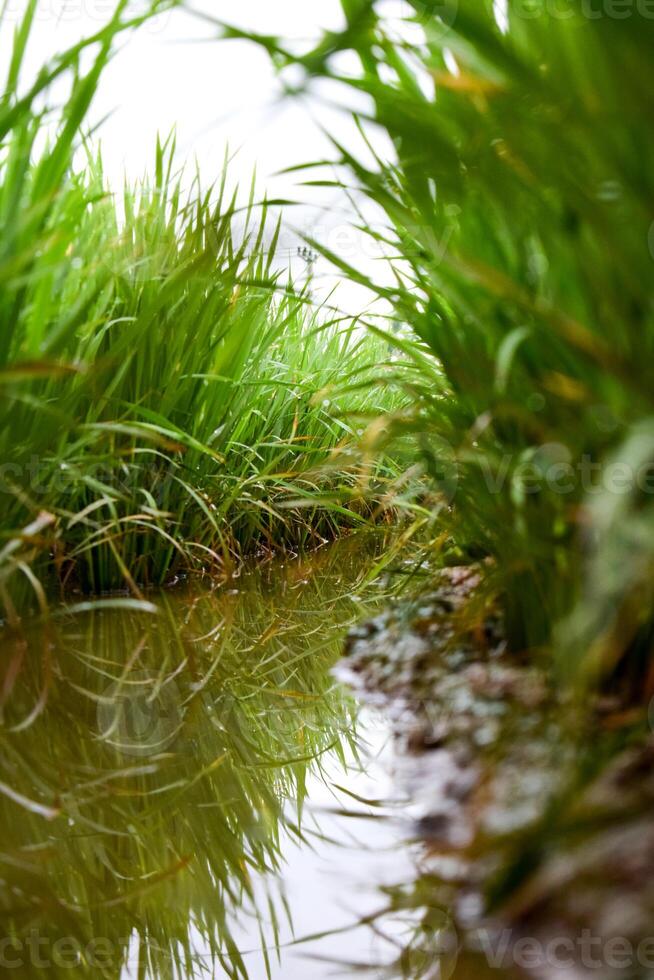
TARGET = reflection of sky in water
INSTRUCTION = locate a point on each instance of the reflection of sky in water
(336, 882)
(334, 879)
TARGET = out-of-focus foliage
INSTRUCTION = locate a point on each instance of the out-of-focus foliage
(520, 206)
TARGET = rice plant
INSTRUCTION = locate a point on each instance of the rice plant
(169, 400)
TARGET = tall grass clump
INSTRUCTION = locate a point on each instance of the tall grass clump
(520, 208)
(168, 399)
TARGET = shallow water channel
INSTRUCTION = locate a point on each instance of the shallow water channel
(193, 794)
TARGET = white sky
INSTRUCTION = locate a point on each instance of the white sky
(173, 74)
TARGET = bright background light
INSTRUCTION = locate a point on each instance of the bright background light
(173, 74)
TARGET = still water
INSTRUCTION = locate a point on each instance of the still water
(191, 793)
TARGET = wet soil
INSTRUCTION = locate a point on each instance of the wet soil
(534, 812)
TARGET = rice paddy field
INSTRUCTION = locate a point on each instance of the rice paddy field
(169, 400)
(215, 483)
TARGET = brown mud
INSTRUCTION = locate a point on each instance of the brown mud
(534, 817)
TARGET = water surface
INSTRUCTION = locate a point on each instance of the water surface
(192, 794)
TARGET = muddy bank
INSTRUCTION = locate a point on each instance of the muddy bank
(534, 815)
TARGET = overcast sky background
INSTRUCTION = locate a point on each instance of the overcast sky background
(172, 73)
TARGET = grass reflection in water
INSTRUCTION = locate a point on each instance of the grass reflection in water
(153, 765)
